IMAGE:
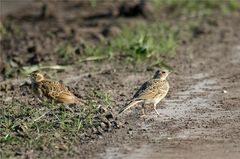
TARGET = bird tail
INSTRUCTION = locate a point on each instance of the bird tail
(129, 105)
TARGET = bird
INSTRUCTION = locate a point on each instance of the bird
(151, 92)
(53, 90)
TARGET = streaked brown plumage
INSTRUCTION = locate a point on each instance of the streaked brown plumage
(151, 92)
(53, 90)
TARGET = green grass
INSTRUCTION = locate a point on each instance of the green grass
(141, 41)
(147, 40)
(197, 7)
(7, 31)
(93, 3)
(4, 31)
(66, 52)
(45, 126)
(144, 40)
(104, 97)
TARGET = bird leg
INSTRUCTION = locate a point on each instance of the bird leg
(143, 115)
(155, 108)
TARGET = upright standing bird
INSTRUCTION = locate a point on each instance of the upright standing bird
(53, 90)
(151, 92)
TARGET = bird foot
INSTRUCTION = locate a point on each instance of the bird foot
(161, 115)
(143, 116)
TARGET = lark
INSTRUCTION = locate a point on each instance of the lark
(151, 92)
(52, 90)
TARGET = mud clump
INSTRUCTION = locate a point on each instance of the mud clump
(136, 8)
(111, 31)
(105, 121)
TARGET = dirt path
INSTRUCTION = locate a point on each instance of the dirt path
(201, 116)
(12, 6)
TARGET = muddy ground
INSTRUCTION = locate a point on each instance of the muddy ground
(201, 114)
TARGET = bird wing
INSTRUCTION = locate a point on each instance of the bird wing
(144, 92)
(59, 92)
(65, 97)
(141, 89)
(151, 89)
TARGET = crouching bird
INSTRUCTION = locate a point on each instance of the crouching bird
(151, 92)
(53, 90)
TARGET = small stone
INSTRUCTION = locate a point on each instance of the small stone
(7, 99)
(112, 31)
(130, 131)
(224, 91)
(136, 8)
(94, 130)
(99, 130)
(103, 125)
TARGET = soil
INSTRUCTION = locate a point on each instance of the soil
(201, 114)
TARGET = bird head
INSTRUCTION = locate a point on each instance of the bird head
(36, 77)
(161, 74)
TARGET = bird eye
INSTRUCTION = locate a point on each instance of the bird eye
(163, 72)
